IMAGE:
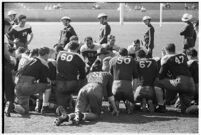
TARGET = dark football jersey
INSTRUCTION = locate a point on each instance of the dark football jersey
(123, 68)
(20, 33)
(38, 69)
(193, 68)
(89, 53)
(147, 71)
(175, 64)
(102, 78)
(69, 66)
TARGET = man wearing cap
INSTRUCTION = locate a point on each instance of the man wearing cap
(89, 50)
(122, 84)
(70, 71)
(67, 32)
(20, 33)
(188, 31)
(149, 36)
(12, 15)
(105, 29)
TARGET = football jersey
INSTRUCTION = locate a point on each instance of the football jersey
(176, 64)
(123, 68)
(193, 68)
(37, 68)
(69, 66)
(20, 32)
(89, 53)
(147, 71)
(102, 78)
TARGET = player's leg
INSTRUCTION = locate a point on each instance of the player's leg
(60, 93)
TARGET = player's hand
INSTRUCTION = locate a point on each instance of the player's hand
(115, 113)
(163, 52)
(16, 40)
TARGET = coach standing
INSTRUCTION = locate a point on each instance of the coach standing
(188, 31)
(105, 29)
(149, 36)
(67, 32)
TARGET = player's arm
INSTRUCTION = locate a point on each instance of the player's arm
(163, 71)
(136, 80)
(31, 36)
(81, 68)
(111, 97)
(184, 31)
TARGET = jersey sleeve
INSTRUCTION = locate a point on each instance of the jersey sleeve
(29, 30)
(12, 33)
(135, 69)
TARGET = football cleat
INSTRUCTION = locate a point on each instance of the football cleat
(78, 117)
(45, 109)
(161, 109)
(61, 119)
(60, 110)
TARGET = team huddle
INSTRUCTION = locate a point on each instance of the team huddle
(94, 72)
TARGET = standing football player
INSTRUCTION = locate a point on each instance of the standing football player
(182, 83)
(20, 33)
(70, 65)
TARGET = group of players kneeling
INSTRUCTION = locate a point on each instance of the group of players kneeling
(104, 72)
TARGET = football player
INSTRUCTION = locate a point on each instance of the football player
(70, 65)
(20, 33)
(193, 67)
(89, 51)
(132, 49)
(89, 100)
(182, 83)
(147, 72)
(46, 105)
(32, 80)
(123, 68)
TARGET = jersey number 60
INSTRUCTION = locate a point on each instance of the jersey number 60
(66, 57)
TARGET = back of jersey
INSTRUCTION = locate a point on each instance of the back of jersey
(123, 68)
(69, 66)
(147, 71)
(177, 65)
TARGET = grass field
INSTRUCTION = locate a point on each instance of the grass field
(46, 34)
(138, 122)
